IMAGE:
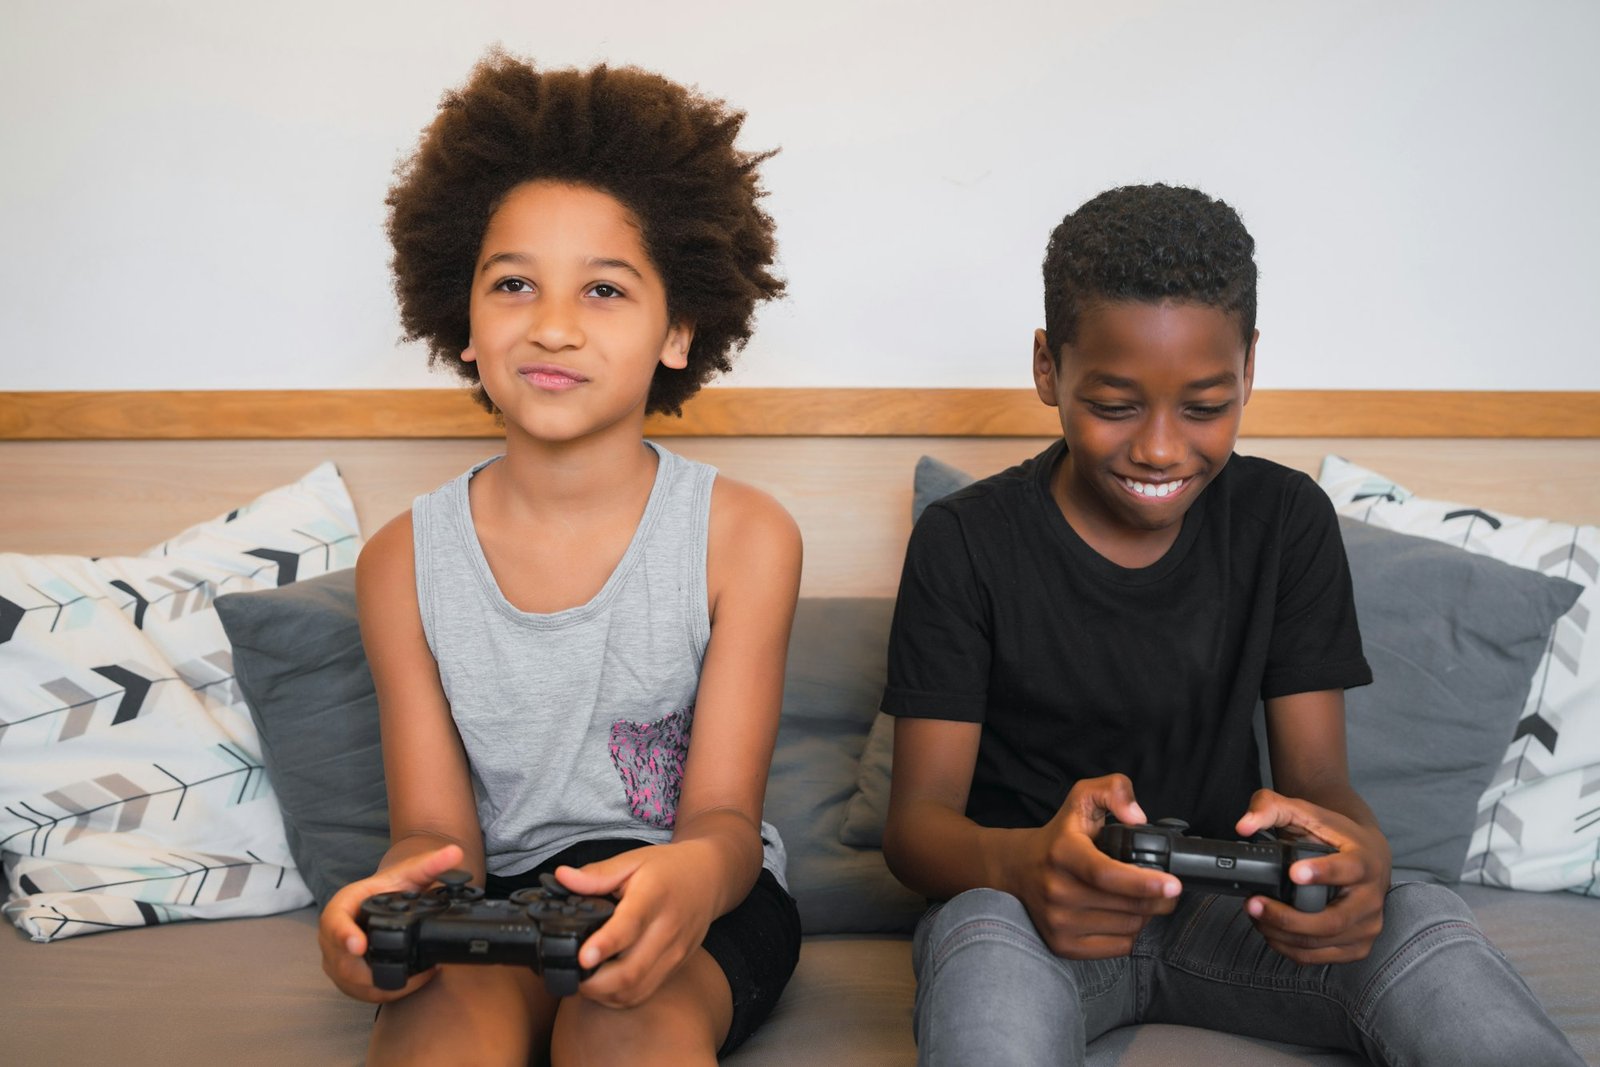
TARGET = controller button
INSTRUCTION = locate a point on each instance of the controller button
(409, 894)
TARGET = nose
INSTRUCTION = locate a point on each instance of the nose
(1157, 444)
(554, 325)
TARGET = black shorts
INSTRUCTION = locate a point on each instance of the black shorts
(757, 944)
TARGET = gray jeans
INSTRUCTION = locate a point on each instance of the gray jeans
(1432, 991)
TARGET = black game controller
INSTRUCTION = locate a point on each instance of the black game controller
(1239, 868)
(543, 928)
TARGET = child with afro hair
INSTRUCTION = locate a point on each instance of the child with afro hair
(578, 645)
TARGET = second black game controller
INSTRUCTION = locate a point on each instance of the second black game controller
(1239, 868)
(542, 928)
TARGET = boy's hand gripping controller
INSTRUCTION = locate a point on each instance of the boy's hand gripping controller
(1239, 868)
(543, 928)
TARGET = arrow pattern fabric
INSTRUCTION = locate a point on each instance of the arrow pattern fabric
(1539, 821)
(132, 790)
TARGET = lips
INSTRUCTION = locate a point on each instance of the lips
(550, 376)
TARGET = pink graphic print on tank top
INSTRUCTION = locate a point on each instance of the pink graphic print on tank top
(649, 758)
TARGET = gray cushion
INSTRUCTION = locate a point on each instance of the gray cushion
(298, 658)
(869, 805)
(831, 691)
(932, 479)
(1453, 639)
(249, 991)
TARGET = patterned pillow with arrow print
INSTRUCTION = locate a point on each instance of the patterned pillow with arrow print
(131, 783)
(1539, 821)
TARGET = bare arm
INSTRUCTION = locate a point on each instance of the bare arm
(1313, 796)
(425, 766)
(1084, 904)
(753, 580)
(1306, 742)
(928, 841)
(432, 817)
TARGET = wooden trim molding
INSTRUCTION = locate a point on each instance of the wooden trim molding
(733, 412)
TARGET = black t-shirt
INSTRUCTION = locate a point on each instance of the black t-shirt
(1077, 667)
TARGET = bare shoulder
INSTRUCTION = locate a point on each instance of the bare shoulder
(386, 565)
(754, 547)
(750, 521)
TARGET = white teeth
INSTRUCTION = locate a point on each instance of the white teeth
(1153, 489)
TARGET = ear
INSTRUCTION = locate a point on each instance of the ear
(675, 349)
(1249, 368)
(1045, 370)
(469, 354)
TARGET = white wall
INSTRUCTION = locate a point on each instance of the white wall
(191, 190)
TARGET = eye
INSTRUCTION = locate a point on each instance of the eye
(605, 290)
(1110, 411)
(513, 285)
(1208, 411)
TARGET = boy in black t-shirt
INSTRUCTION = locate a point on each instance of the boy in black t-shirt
(1086, 635)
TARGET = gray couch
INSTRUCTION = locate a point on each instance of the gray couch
(250, 991)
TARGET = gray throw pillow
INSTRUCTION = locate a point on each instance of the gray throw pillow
(298, 659)
(1453, 639)
(831, 691)
(934, 478)
(869, 805)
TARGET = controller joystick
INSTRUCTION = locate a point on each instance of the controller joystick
(410, 932)
(455, 885)
(1238, 868)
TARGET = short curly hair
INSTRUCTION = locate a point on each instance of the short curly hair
(1148, 243)
(663, 151)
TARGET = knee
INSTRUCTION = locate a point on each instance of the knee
(980, 908)
(1412, 909)
(682, 1022)
(1419, 919)
(990, 991)
(993, 923)
(465, 1015)
(590, 1033)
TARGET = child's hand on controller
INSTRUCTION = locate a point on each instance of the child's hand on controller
(663, 911)
(1085, 904)
(344, 943)
(1345, 930)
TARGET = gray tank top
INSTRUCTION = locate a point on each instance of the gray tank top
(576, 724)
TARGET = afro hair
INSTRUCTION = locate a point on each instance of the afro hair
(663, 151)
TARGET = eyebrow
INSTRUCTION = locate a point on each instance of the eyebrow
(521, 259)
(614, 264)
(1114, 381)
(1225, 378)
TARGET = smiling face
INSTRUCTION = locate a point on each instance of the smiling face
(1150, 397)
(569, 315)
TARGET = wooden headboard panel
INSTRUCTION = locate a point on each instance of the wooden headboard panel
(115, 472)
(851, 495)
